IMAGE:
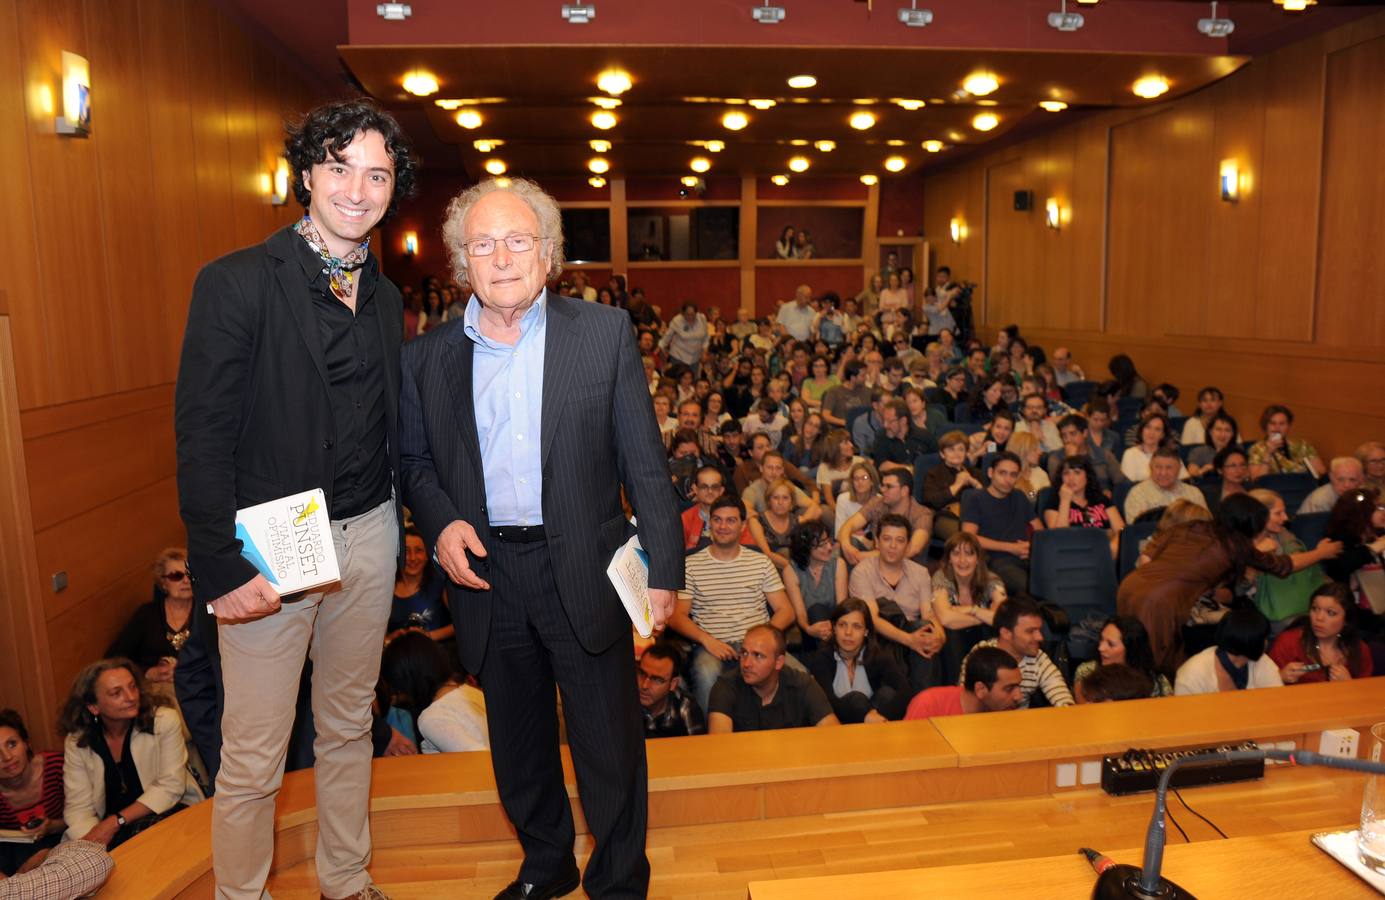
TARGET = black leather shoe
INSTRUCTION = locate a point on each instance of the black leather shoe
(523, 890)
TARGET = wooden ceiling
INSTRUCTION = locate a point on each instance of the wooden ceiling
(539, 101)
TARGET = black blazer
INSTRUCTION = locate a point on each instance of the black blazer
(251, 412)
(883, 670)
(597, 435)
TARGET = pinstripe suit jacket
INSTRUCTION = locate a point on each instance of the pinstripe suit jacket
(597, 434)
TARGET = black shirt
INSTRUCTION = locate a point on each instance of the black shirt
(914, 444)
(123, 786)
(147, 638)
(799, 703)
(354, 356)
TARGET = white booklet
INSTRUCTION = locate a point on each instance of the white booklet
(629, 572)
(290, 541)
(15, 836)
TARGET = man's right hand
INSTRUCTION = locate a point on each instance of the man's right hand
(1021, 549)
(852, 555)
(255, 599)
(721, 650)
(456, 539)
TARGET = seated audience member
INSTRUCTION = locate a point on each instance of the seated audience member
(1124, 642)
(900, 442)
(899, 593)
(1032, 477)
(1344, 474)
(863, 683)
(1064, 369)
(869, 426)
(952, 393)
(1161, 488)
(840, 399)
(1035, 420)
(945, 483)
(1371, 455)
(125, 766)
(1113, 683)
(1278, 453)
(1187, 561)
(1151, 435)
(802, 447)
(763, 694)
(896, 499)
(31, 796)
(1073, 431)
(1232, 471)
(1080, 503)
(773, 468)
(709, 483)
(965, 598)
(667, 709)
(667, 424)
(993, 683)
(730, 447)
(419, 604)
(836, 458)
(154, 635)
(1236, 661)
(818, 383)
(815, 581)
(994, 439)
(987, 399)
(1002, 519)
(1198, 428)
(727, 589)
(74, 869)
(1282, 600)
(861, 486)
(1220, 434)
(1324, 645)
(449, 715)
(1167, 395)
(977, 376)
(774, 528)
(1128, 380)
(1358, 522)
(1101, 436)
(767, 419)
(1020, 632)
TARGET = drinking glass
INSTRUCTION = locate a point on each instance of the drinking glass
(1371, 840)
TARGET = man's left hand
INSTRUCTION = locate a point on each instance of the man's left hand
(661, 603)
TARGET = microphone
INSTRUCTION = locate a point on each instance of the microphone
(1124, 882)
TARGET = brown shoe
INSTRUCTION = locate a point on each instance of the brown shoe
(369, 892)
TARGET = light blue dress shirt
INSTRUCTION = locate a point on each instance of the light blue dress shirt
(507, 390)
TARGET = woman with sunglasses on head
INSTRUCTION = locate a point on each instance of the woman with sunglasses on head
(158, 629)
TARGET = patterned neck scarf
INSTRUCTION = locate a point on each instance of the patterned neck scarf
(338, 271)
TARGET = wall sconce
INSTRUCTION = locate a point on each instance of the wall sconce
(411, 243)
(279, 195)
(76, 113)
(958, 230)
(1230, 181)
(1053, 214)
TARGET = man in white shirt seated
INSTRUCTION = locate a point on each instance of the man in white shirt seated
(1162, 487)
(766, 419)
(1034, 418)
(1344, 474)
(1020, 629)
(1064, 369)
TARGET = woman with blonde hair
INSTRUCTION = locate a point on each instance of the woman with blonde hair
(1282, 600)
(1032, 478)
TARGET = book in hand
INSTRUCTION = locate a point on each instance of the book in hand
(629, 572)
(15, 836)
(290, 541)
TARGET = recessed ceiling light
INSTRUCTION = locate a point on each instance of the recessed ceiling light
(596, 181)
(910, 105)
(699, 164)
(802, 82)
(955, 136)
(869, 179)
(980, 84)
(735, 120)
(714, 146)
(604, 120)
(933, 146)
(799, 164)
(986, 103)
(985, 121)
(599, 145)
(495, 166)
(734, 101)
(598, 165)
(605, 102)
(1052, 105)
(486, 146)
(1295, 5)
(762, 104)
(798, 142)
(614, 81)
(895, 142)
(861, 120)
(469, 119)
(866, 101)
(689, 180)
(1150, 86)
(420, 83)
(826, 146)
(896, 163)
(447, 104)
(780, 180)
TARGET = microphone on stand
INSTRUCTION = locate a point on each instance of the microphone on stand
(1123, 882)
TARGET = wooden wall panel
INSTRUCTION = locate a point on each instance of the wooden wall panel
(1233, 229)
(1087, 230)
(1351, 266)
(210, 130)
(1012, 253)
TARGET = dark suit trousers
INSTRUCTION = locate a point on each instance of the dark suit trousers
(532, 645)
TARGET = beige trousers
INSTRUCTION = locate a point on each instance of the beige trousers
(343, 631)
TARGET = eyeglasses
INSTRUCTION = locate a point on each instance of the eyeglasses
(517, 243)
(174, 576)
(655, 680)
(703, 486)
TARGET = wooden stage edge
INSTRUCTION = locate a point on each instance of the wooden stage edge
(710, 779)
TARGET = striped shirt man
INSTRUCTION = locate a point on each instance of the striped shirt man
(1036, 673)
(729, 596)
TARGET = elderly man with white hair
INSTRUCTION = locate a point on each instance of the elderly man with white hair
(1344, 474)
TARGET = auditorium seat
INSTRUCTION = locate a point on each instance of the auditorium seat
(922, 464)
(852, 415)
(1071, 568)
(1294, 487)
(1310, 527)
(1132, 536)
(1077, 393)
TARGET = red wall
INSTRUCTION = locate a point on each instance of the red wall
(669, 288)
(641, 190)
(807, 187)
(775, 283)
(901, 207)
(836, 231)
